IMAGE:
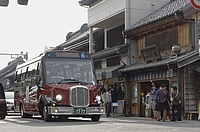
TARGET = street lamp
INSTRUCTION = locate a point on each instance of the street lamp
(176, 48)
(5, 3)
(22, 2)
(24, 56)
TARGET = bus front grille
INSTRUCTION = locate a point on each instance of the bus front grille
(79, 96)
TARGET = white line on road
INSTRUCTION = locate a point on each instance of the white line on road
(1, 122)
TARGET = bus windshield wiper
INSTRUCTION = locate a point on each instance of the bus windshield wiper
(69, 80)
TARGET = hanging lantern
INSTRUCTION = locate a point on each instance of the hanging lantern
(176, 48)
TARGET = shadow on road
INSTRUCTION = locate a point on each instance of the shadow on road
(37, 121)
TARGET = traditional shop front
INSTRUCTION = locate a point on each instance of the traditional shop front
(179, 71)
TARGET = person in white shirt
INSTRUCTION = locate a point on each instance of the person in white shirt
(108, 102)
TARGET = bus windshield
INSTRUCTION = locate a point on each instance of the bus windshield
(62, 71)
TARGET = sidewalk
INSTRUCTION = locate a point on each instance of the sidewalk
(121, 117)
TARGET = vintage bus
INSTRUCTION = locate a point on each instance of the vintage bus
(58, 84)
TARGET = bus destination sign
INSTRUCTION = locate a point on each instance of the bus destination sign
(68, 54)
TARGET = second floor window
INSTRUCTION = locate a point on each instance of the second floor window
(113, 61)
(164, 40)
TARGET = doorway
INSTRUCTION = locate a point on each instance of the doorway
(145, 89)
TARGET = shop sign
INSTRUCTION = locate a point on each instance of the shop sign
(150, 54)
(195, 4)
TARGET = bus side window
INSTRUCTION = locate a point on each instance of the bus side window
(37, 70)
(26, 73)
(17, 77)
(31, 71)
(22, 75)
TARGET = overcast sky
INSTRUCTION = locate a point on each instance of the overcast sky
(43, 22)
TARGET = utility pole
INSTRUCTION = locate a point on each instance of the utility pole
(14, 56)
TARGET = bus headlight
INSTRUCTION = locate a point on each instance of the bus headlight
(58, 97)
(98, 99)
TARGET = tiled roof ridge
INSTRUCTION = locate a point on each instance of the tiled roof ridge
(143, 64)
(166, 10)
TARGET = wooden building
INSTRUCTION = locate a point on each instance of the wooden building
(167, 53)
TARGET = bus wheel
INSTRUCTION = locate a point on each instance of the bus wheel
(3, 116)
(46, 116)
(23, 114)
(95, 118)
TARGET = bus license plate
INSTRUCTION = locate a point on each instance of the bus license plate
(79, 111)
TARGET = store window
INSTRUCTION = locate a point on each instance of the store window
(135, 94)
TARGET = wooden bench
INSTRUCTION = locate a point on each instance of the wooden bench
(190, 113)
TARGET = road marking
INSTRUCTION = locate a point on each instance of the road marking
(18, 121)
(2, 122)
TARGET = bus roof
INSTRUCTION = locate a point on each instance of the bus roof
(56, 54)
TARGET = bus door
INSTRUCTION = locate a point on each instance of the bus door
(33, 98)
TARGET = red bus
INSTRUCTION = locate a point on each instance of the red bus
(58, 84)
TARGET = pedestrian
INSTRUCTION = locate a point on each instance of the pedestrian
(153, 101)
(176, 104)
(162, 103)
(114, 98)
(120, 93)
(113, 94)
(103, 95)
(108, 102)
(120, 100)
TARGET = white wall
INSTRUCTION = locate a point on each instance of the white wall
(104, 10)
(134, 10)
(138, 9)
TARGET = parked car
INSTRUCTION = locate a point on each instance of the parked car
(3, 108)
(9, 101)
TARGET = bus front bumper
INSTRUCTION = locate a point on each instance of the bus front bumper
(76, 111)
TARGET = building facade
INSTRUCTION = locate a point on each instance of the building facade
(167, 53)
(8, 72)
(113, 52)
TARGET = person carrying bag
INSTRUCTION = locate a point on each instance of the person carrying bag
(162, 103)
(176, 104)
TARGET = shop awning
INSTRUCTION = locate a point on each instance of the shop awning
(123, 48)
(86, 2)
(110, 72)
(180, 61)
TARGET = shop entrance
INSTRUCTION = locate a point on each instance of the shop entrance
(145, 89)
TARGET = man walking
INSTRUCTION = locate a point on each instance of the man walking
(162, 103)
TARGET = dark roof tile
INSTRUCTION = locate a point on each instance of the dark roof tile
(165, 61)
(166, 10)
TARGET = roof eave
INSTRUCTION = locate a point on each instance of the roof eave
(86, 2)
(154, 26)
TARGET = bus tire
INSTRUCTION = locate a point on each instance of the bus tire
(3, 116)
(95, 118)
(46, 116)
(23, 114)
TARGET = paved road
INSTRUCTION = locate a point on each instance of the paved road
(119, 124)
